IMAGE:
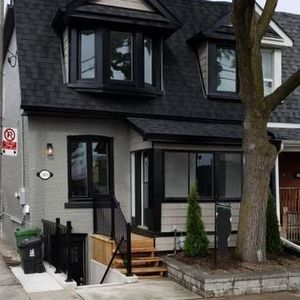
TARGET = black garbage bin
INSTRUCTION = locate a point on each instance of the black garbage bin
(31, 255)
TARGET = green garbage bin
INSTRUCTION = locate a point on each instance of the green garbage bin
(26, 233)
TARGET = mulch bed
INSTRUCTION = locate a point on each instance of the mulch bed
(229, 263)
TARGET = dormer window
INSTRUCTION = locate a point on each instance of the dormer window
(114, 61)
(114, 47)
(215, 50)
(223, 75)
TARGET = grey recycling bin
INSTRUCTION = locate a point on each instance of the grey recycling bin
(31, 255)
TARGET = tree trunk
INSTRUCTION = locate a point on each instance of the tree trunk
(259, 157)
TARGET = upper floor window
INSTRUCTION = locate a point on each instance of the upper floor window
(116, 61)
(87, 64)
(121, 55)
(222, 78)
(226, 70)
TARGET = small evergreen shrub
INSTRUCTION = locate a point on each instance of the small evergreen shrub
(196, 241)
(273, 242)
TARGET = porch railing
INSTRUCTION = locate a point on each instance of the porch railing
(290, 198)
(291, 225)
(109, 220)
(57, 246)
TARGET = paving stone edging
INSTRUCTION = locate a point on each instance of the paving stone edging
(208, 285)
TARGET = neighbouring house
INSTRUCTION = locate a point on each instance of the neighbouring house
(121, 105)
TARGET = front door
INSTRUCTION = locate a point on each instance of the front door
(143, 189)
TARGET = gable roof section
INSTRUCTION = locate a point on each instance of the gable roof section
(157, 16)
(130, 4)
(223, 29)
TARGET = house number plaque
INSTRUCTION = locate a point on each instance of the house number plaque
(44, 174)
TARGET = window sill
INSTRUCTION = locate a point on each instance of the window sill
(79, 204)
(117, 89)
(224, 96)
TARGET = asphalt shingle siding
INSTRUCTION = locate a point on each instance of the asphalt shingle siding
(42, 85)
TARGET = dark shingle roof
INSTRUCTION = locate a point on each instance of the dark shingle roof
(196, 131)
(41, 69)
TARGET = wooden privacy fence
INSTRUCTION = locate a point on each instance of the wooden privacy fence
(291, 225)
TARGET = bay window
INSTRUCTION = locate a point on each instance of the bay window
(115, 61)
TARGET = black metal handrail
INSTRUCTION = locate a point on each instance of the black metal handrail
(57, 246)
(109, 220)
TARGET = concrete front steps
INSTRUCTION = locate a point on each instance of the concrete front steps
(145, 262)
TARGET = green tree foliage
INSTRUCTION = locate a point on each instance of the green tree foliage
(196, 242)
(272, 235)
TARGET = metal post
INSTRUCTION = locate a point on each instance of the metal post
(129, 265)
(69, 252)
(57, 243)
(113, 220)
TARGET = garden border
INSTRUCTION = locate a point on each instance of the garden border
(214, 285)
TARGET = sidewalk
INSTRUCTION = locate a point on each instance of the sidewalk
(11, 288)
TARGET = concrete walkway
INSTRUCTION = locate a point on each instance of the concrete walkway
(144, 290)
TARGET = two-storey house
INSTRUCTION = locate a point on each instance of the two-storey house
(135, 100)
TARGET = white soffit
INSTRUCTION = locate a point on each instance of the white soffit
(283, 41)
(130, 4)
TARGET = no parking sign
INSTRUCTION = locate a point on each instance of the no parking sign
(9, 141)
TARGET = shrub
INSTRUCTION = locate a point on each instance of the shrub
(196, 242)
(273, 242)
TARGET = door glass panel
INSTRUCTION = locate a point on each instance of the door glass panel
(120, 55)
(79, 180)
(87, 55)
(205, 174)
(100, 168)
(146, 182)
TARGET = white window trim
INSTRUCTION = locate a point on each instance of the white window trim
(283, 41)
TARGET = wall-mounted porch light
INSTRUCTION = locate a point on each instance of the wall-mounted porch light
(50, 150)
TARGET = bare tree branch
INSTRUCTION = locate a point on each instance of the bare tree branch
(265, 18)
(283, 91)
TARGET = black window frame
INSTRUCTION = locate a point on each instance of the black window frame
(215, 197)
(90, 139)
(212, 74)
(102, 81)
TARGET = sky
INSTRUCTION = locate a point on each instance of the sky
(292, 6)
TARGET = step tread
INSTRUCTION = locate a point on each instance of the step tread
(147, 259)
(147, 249)
(145, 270)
